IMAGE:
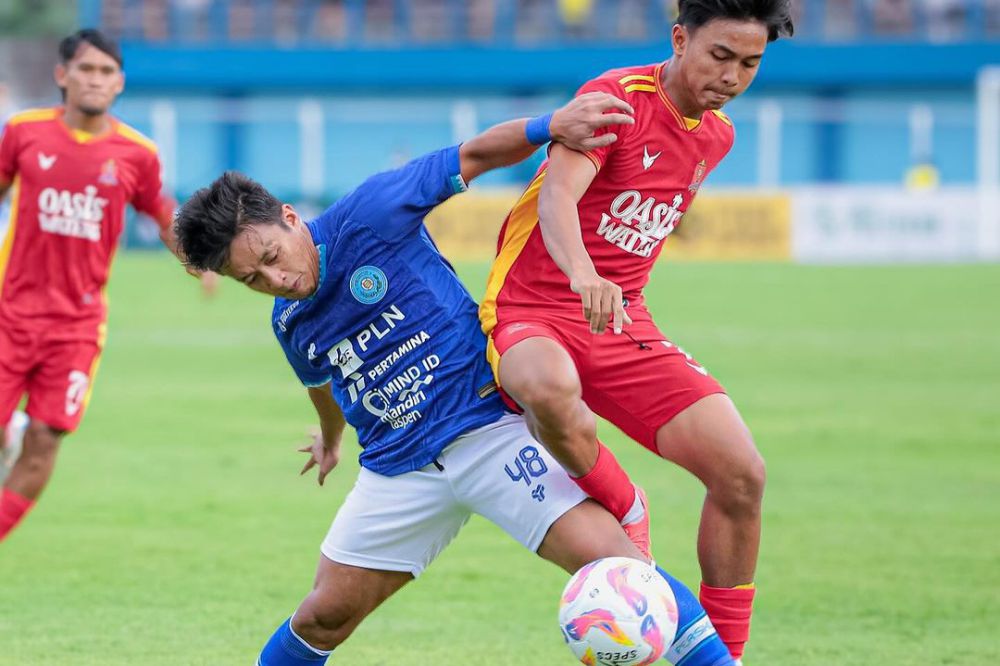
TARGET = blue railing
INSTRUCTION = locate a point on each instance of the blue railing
(528, 23)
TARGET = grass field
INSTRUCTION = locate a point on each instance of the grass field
(177, 532)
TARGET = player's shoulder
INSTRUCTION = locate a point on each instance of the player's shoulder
(725, 120)
(30, 117)
(634, 84)
(625, 77)
(283, 316)
(721, 125)
(133, 137)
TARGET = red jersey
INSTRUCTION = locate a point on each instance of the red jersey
(645, 182)
(67, 212)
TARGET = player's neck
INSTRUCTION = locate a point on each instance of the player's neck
(83, 122)
(678, 94)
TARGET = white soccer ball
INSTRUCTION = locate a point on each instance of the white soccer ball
(618, 612)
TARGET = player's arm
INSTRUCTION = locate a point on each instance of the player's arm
(8, 159)
(573, 125)
(569, 175)
(325, 448)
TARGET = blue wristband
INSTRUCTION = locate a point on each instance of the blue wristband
(537, 130)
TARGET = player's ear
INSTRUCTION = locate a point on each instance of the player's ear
(679, 39)
(59, 74)
(120, 88)
(289, 216)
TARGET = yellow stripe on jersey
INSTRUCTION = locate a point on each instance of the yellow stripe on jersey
(593, 160)
(136, 137)
(8, 243)
(640, 86)
(667, 101)
(33, 116)
(493, 358)
(102, 337)
(723, 117)
(522, 221)
(636, 77)
(691, 123)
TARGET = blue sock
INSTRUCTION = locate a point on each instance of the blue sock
(286, 649)
(696, 643)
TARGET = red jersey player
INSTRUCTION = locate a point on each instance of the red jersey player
(589, 228)
(71, 171)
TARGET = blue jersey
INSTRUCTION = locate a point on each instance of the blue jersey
(389, 326)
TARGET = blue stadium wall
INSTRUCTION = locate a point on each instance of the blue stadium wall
(838, 102)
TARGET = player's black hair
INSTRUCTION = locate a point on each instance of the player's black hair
(71, 44)
(209, 221)
(775, 14)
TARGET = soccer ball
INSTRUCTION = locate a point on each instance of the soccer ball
(618, 612)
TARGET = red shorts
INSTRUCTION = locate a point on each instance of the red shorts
(637, 380)
(56, 373)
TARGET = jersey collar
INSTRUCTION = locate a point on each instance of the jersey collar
(84, 138)
(682, 122)
(321, 248)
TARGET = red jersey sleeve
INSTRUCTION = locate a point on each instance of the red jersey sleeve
(599, 155)
(8, 154)
(149, 195)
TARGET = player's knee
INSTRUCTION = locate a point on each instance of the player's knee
(41, 443)
(740, 490)
(326, 623)
(547, 394)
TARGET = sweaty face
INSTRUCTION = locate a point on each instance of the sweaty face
(275, 259)
(720, 59)
(92, 80)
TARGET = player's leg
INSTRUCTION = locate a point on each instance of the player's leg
(535, 369)
(548, 514)
(341, 598)
(388, 530)
(710, 440)
(11, 442)
(29, 475)
(661, 397)
(33, 469)
(58, 394)
(16, 352)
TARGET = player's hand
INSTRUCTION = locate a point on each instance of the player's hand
(321, 454)
(574, 124)
(602, 300)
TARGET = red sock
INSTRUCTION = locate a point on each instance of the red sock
(13, 507)
(729, 609)
(608, 483)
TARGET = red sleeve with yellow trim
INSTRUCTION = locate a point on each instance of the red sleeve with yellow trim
(8, 153)
(609, 84)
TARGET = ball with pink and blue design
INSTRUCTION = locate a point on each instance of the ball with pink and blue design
(618, 611)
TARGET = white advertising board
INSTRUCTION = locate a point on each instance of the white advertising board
(876, 224)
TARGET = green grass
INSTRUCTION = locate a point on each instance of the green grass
(176, 530)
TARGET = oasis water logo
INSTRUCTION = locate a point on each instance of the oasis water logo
(368, 285)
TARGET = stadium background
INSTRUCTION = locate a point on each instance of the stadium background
(175, 531)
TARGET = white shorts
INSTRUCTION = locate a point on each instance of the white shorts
(401, 523)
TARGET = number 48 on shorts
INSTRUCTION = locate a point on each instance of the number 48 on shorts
(528, 466)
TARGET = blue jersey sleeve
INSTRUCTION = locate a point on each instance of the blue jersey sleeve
(394, 203)
(307, 374)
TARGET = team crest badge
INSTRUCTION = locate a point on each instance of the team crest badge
(699, 176)
(368, 285)
(109, 174)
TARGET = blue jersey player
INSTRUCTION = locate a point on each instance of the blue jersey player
(378, 328)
